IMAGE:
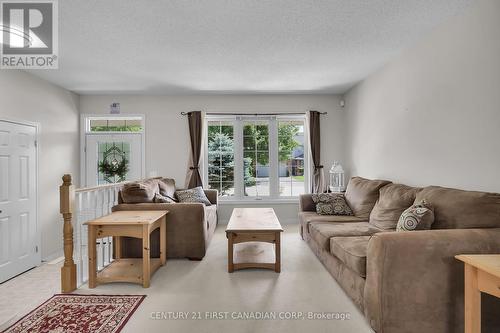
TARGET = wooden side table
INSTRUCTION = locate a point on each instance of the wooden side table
(138, 224)
(482, 274)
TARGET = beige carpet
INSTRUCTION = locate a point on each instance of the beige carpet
(200, 287)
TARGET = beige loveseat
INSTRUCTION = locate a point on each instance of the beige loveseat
(190, 226)
(406, 281)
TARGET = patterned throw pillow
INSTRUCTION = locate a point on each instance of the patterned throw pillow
(331, 204)
(420, 216)
(193, 195)
(163, 199)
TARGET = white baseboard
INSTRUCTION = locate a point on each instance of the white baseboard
(53, 256)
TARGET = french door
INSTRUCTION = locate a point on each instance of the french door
(19, 233)
(113, 158)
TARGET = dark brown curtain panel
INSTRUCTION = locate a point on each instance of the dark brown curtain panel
(317, 177)
(195, 134)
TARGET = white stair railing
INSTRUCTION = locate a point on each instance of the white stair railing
(84, 204)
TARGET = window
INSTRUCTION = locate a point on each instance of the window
(221, 157)
(114, 124)
(291, 157)
(256, 157)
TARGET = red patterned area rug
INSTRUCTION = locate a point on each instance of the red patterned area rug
(72, 313)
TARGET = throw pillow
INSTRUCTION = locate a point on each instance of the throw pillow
(331, 204)
(362, 194)
(163, 199)
(139, 192)
(167, 187)
(420, 216)
(393, 200)
(193, 195)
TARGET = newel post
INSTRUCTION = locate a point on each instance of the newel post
(68, 271)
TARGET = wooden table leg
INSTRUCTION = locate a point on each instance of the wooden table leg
(472, 301)
(146, 259)
(163, 241)
(230, 264)
(118, 246)
(92, 256)
(277, 245)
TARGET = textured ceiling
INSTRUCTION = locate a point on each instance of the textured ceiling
(234, 46)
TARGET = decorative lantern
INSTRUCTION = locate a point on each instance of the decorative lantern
(337, 182)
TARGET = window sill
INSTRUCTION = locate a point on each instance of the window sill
(233, 202)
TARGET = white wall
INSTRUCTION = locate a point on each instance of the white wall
(26, 97)
(432, 116)
(167, 135)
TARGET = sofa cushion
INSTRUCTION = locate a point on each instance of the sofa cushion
(361, 195)
(331, 204)
(139, 192)
(167, 187)
(417, 217)
(321, 232)
(393, 200)
(306, 217)
(458, 209)
(351, 251)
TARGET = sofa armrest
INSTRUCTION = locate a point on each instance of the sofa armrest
(414, 283)
(306, 204)
(212, 195)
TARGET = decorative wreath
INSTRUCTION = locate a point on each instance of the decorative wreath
(114, 168)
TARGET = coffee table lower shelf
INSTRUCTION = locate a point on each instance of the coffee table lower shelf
(126, 270)
(254, 254)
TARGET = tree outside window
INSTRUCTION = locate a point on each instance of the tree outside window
(221, 157)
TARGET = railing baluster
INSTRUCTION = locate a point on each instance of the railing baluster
(110, 250)
(105, 251)
(78, 239)
(100, 261)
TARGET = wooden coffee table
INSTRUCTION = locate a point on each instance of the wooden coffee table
(251, 229)
(138, 224)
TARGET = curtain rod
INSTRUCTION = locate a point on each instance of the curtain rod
(252, 114)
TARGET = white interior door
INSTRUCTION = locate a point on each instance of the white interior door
(115, 150)
(19, 235)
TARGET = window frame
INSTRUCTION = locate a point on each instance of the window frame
(87, 119)
(274, 179)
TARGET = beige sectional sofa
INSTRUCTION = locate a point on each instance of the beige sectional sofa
(406, 281)
(190, 226)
